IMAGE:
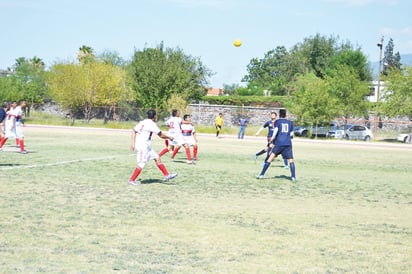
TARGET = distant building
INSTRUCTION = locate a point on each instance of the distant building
(5, 72)
(373, 95)
(214, 92)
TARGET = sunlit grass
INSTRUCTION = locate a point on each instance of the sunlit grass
(66, 208)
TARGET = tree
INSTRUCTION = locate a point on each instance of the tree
(157, 73)
(349, 91)
(318, 51)
(270, 72)
(397, 100)
(85, 54)
(390, 60)
(29, 81)
(87, 87)
(313, 104)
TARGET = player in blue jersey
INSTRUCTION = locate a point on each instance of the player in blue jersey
(282, 137)
(271, 126)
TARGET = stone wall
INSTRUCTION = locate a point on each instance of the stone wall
(204, 114)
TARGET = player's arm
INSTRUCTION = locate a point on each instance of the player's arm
(275, 132)
(259, 131)
(134, 134)
(164, 136)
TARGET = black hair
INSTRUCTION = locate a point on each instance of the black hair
(174, 112)
(185, 116)
(282, 113)
(151, 113)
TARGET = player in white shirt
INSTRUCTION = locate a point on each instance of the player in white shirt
(175, 129)
(10, 123)
(189, 134)
(18, 112)
(142, 143)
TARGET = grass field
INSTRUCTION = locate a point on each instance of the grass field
(66, 207)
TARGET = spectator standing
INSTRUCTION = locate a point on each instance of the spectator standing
(243, 121)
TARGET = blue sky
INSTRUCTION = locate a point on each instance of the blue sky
(55, 29)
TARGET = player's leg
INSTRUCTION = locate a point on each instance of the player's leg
(162, 167)
(141, 157)
(20, 138)
(195, 149)
(267, 163)
(288, 154)
(188, 156)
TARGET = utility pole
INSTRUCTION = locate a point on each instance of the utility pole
(380, 46)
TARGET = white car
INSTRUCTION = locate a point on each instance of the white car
(359, 133)
(404, 138)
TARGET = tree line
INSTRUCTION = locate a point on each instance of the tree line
(318, 79)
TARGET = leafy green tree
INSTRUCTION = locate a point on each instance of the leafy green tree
(318, 51)
(28, 80)
(157, 73)
(313, 104)
(352, 58)
(111, 57)
(85, 54)
(390, 60)
(349, 91)
(230, 89)
(397, 100)
(87, 87)
(269, 72)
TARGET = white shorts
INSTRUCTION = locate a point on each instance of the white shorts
(189, 140)
(19, 131)
(177, 139)
(10, 132)
(145, 154)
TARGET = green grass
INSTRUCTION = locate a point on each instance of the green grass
(66, 208)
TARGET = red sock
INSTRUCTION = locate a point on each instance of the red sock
(17, 141)
(164, 151)
(175, 152)
(195, 152)
(189, 158)
(162, 168)
(3, 141)
(135, 174)
(21, 144)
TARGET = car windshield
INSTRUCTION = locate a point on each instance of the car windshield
(344, 127)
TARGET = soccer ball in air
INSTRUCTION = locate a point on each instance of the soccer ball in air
(237, 43)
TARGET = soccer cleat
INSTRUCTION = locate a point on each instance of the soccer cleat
(191, 162)
(134, 183)
(195, 159)
(256, 158)
(286, 167)
(24, 152)
(260, 177)
(170, 176)
(293, 179)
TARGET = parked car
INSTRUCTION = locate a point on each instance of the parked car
(358, 133)
(404, 137)
(339, 132)
(300, 131)
(320, 131)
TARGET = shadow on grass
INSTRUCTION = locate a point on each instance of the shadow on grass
(10, 165)
(155, 181)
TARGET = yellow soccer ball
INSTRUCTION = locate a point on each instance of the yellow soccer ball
(237, 43)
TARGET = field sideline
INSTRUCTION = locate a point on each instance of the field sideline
(66, 207)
